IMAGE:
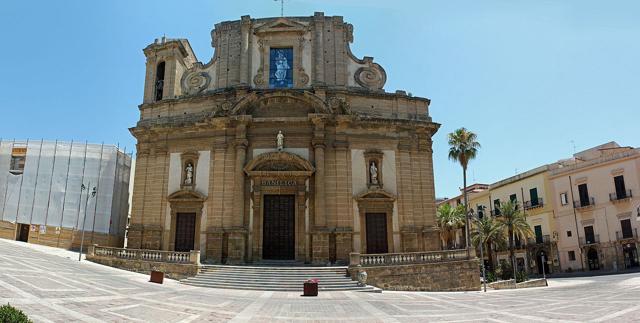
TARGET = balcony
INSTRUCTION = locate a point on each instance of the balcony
(584, 203)
(586, 241)
(620, 196)
(533, 204)
(543, 239)
(627, 235)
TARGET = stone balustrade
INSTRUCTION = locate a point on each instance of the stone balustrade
(192, 257)
(407, 258)
(447, 270)
(174, 264)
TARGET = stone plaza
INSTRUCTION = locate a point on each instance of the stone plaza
(50, 285)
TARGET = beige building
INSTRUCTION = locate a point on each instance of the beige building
(284, 146)
(596, 203)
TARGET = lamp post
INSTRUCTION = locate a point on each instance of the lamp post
(93, 194)
(544, 262)
(484, 276)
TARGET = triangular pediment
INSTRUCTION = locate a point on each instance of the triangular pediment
(186, 196)
(377, 195)
(281, 25)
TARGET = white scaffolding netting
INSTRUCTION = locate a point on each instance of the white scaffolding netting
(49, 190)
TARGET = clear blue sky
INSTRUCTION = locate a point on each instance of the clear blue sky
(528, 76)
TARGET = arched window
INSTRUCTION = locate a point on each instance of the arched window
(159, 81)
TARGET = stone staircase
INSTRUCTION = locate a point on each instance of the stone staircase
(275, 278)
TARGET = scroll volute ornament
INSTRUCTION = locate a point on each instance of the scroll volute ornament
(195, 80)
(372, 76)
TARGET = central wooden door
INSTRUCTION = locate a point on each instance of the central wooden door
(376, 225)
(185, 231)
(278, 229)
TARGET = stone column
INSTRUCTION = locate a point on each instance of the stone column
(241, 154)
(320, 218)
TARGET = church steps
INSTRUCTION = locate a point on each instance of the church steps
(274, 278)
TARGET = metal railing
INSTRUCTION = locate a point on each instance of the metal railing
(533, 203)
(585, 241)
(406, 258)
(540, 240)
(625, 235)
(617, 196)
(189, 257)
(584, 203)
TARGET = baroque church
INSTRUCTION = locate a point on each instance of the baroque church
(284, 146)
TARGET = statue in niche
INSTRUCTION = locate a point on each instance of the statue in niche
(280, 140)
(373, 172)
(281, 66)
(188, 174)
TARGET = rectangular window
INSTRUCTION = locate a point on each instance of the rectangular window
(584, 195)
(589, 236)
(568, 233)
(572, 255)
(533, 194)
(513, 198)
(281, 68)
(496, 206)
(621, 191)
(627, 231)
(480, 211)
(18, 159)
(538, 231)
(563, 199)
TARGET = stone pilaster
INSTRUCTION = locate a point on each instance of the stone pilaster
(319, 146)
(245, 47)
(344, 244)
(238, 202)
(409, 238)
(236, 246)
(214, 245)
(431, 239)
(151, 237)
(320, 249)
(134, 236)
(318, 49)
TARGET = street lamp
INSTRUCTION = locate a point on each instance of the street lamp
(93, 194)
(484, 276)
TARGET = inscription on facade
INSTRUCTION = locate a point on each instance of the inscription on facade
(278, 182)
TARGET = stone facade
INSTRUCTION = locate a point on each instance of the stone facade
(207, 146)
(462, 275)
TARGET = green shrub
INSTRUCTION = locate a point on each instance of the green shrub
(521, 276)
(491, 277)
(10, 314)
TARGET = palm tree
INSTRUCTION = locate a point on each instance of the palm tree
(513, 222)
(488, 232)
(449, 219)
(463, 147)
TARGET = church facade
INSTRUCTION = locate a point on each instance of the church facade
(284, 146)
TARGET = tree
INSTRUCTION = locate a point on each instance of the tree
(463, 147)
(513, 222)
(449, 219)
(488, 232)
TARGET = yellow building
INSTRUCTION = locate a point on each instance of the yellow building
(531, 193)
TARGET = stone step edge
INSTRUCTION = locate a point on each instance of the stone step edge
(278, 267)
(237, 283)
(336, 289)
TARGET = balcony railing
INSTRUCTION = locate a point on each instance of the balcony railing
(584, 203)
(543, 239)
(585, 241)
(533, 204)
(406, 258)
(618, 196)
(622, 235)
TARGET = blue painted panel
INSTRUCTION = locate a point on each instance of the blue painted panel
(281, 68)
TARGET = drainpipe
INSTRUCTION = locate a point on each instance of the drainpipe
(575, 218)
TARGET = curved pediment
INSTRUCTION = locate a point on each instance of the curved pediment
(376, 195)
(280, 103)
(186, 196)
(280, 162)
